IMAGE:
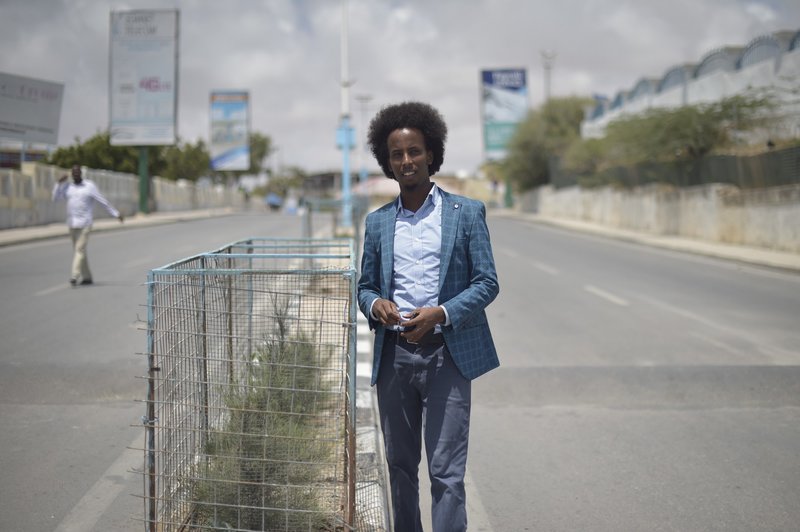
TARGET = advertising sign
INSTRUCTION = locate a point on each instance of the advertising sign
(143, 84)
(504, 104)
(230, 136)
(30, 109)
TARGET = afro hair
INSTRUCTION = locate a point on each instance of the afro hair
(412, 115)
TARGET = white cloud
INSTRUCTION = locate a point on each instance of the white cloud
(286, 53)
(763, 13)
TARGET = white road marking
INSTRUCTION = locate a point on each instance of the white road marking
(545, 268)
(510, 252)
(684, 313)
(606, 295)
(52, 289)
(536, 264)
(84, 515)
(777, 355)
(716, 343)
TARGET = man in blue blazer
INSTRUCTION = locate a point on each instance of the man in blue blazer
(427, 274)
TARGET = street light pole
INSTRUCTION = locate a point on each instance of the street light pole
(548, 58)
(345, 132)
(363, 99)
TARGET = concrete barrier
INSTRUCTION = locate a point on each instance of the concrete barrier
(26, 195)
(768, 217)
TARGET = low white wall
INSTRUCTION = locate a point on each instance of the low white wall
(26, 196)
(768, 218)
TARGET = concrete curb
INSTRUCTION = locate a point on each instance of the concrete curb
(372, 495)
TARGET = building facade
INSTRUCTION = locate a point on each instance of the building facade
(769, 63)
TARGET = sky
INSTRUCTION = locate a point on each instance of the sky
(287, 55)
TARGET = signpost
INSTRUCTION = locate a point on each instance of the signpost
(30, 109)
(504, 104)
(143, 83)
(230, 130)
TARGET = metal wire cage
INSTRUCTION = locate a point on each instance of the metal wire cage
(251, 388)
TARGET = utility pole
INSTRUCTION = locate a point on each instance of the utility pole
(548, 58)
(363, 99)
(344, 135)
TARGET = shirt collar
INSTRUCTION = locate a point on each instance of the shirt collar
(433, 195)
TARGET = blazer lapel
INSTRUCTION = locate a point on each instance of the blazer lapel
(450, 213)
(387, 248)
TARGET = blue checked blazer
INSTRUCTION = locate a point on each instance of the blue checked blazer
(467, 280)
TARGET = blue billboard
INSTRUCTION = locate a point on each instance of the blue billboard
(230, 130)
(504, 104)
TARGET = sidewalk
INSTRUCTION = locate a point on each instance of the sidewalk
(21, 235)
(745, 254)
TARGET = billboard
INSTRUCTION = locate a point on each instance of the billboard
(504, 104)
(143, 77)
(30, 109)
(230, 130)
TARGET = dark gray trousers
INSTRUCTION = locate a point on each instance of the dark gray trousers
(420, 391)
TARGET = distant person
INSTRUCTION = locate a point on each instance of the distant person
(81, 195)
(427, 274)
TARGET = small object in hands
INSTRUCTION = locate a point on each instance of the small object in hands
(400, 327)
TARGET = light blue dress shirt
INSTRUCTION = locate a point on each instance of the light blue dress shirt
(417, 255)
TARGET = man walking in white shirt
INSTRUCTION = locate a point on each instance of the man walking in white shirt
(81, 195)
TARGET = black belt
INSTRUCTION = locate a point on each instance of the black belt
(430, 339)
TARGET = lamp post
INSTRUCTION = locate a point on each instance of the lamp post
(344, 134)
(363, 99)
(548, 58)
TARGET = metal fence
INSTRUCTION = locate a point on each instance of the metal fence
(371, 475)
(250, 406)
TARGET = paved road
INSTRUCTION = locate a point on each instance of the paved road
(640, 389)
(68, 370)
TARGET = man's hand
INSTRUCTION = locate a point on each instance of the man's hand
(421, 321)
(63, 178)
(121, 218)
(386, 312)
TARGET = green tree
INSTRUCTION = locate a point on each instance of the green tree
(292, 177)
(686, 133)
(260, 147)
(586, 156)
(181, 161)
(187, 161)
(546, 133)
(97, 152)
(666, 144)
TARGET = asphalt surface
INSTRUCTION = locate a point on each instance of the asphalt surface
(646, 383)
(70, 376)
